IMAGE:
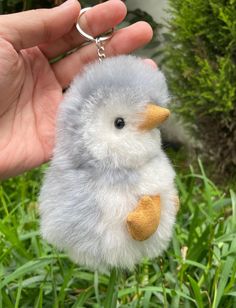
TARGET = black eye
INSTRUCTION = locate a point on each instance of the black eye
(119, 123)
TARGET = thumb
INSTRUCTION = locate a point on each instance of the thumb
(31, 28)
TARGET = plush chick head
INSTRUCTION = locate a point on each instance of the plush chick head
(112, 113)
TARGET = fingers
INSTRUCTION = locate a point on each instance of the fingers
(98, 20)
(124, 41)
(31, 28)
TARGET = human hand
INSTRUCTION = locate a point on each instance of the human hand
(31, 88)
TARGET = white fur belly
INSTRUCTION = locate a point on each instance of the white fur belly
(106, 241)
(115, 204)
(117, 245)
(156, 177)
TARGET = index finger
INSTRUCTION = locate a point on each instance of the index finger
(31, 28)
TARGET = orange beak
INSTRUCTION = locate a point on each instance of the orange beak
(153, 117)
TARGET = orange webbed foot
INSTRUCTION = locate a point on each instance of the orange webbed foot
(144, 220)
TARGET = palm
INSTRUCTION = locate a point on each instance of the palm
(32, 102)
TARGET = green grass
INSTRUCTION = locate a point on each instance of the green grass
(198, 269)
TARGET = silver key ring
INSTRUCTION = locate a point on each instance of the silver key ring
(89, 37)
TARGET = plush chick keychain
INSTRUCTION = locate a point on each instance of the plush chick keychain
(109, 198)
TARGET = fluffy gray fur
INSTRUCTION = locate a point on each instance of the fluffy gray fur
(98, 173)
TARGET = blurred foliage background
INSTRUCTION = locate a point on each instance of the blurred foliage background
(200, 61)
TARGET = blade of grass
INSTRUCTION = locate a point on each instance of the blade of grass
(146, 299)
(66, 279)
(233, 198)
(25, 269)
(6, 300)
(110, 300)
(96, 288)
(39, 300)
(82, 298)
(197, 292)
(225, 274)
(18, 293)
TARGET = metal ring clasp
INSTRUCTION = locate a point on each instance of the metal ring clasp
(89, 37)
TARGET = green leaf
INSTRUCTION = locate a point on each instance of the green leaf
(25, 269)
(225, 274)
(197, 292)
